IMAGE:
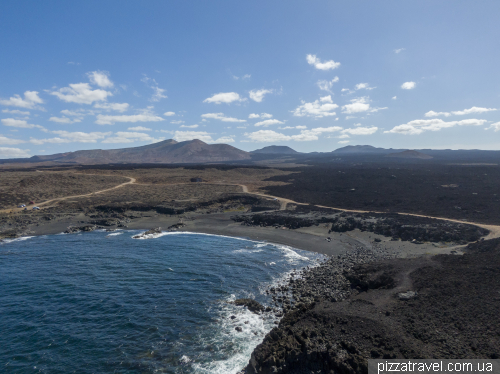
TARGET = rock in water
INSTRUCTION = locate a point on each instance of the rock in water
(150, 232)
(251, 304)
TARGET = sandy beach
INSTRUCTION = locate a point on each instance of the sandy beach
(312, 238)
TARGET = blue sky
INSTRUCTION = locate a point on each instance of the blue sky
(313, 75)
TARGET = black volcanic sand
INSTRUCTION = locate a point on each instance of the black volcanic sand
(452, 191)
(353, 308)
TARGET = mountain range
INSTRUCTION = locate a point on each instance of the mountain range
(198, 152)
(167, 151)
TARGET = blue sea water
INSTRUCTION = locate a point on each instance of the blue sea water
(103, 302)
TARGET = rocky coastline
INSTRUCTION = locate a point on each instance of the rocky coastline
(368, 304)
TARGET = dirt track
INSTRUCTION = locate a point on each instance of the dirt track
(494, 229)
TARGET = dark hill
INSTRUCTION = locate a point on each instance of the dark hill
(410, 154)
(167, 151)
(276, 149)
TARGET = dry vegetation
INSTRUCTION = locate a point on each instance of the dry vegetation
(253, 178)
(153, 185)
(157, 194)
(25, 186)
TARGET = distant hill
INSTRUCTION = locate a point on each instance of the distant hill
(276, 149)
(365, 149)
(410, 154)
(167, 151)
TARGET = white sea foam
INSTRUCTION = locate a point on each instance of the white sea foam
(114, 234)
(247, 250)
(154, 236)
(291, 254)
(21, 239)
(242, 342)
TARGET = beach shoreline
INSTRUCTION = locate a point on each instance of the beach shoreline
(313, 239)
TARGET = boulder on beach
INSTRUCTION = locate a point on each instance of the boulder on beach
(75, 229)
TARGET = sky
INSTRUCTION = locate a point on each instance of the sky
(312, 75)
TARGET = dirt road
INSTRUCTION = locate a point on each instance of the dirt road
(45, 203)
(493, 229)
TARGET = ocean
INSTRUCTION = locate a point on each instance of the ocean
(103, 302)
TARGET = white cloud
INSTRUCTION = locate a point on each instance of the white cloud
(437, 114)
(495, 126)
(189, 126)
(15, 111)
(177, 122)
(224, 97)
(267, 136)
(394, 98)
(82, 137)
(9, 141)
(119, 107)
(129, 137)
(221, 117)
(224, 139)
(182, 136)
(76, 113)
(100, 78)
(408, 85)
(316, 62)
(158, 92)
(6, 152)
(142, 117)
(293, 127)
(344, 141)
(318, 109)
(22, 124)
(361, 131)
(419, 126)
(244, 77)
(169, 114)
(262, 115)
(64, 120)
(357, 105)
(72, 137)
(363, 86)
(343, 136)
(269, 122)
(472, 110)
(81, 93)
(258, 95)
(327, 85)
(374, 110)
(270, 136)
(399, 50)
(139, 128)
(30, 101)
